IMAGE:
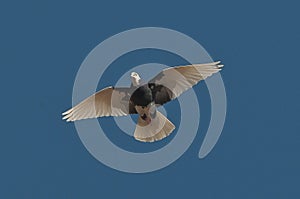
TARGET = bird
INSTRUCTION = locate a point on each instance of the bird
(144, 99)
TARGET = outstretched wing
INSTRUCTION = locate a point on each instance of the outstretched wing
(172, 82)
(109, 101)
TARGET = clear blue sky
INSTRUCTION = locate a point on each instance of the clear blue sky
(42, 45)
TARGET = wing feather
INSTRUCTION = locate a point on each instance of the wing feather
(107, 102)
(172, 82)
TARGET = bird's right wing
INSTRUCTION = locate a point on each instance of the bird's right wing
(107, 102)
(172, 82)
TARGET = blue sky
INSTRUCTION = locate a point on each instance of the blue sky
(44, 43)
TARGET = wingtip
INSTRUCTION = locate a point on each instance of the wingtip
(65, 117)
(217, 62)
(68, 118)
(67, 112)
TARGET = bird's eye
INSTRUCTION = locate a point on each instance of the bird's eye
(143, 107)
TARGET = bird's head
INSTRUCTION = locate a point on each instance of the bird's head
(135, 79)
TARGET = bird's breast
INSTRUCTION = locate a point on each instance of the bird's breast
(142, 96)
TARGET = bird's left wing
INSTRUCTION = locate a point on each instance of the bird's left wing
(172, 82)
(109, 101)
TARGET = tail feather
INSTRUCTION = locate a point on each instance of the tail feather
(159, 128)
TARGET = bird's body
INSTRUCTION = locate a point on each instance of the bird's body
(143, 99)
(142, 96)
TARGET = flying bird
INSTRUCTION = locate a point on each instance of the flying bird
(143, 99)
